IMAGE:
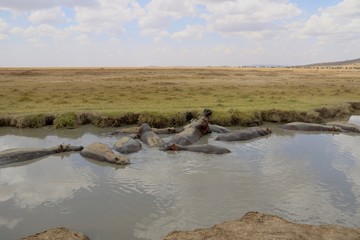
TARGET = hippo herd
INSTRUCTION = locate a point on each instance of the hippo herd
(184, 139)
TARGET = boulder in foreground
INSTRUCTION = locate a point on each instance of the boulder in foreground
(57, 234)
(259, 226)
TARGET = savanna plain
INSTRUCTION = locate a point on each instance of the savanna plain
(167, 92)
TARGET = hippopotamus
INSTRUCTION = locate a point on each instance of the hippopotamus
(242, 135)
(193, 131)
(168, 130)
(127, 145)
(146, 135)
(346, 127)
(302, 126)
(218, 129)
(24, 154)
(103, 153)
(203, 148)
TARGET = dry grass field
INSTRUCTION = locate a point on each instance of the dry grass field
(167, 91)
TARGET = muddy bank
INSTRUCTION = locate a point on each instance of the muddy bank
(229, 118)
(251, 226)
(57, 233)
(254, 225)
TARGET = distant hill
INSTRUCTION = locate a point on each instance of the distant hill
(353, 62)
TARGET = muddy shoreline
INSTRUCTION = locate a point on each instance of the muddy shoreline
(232, 118)
(253, 225)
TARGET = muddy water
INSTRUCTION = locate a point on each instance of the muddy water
(307, 178)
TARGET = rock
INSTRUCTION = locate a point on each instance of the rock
(57, 234)
(259, 226)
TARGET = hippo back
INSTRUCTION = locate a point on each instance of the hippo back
(103, 153)
(127, 145)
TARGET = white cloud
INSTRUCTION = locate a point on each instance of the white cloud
(235, 24)
(242, 17)
(3, 29)
(48, 16)
(21, 5)
(83, 38)
(3, 24)
(30, 194)
(109, 17)
(337, 23)
(10, 223)
(190, 31)
(159, 14)
(39, 32)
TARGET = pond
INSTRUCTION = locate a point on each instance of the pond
(304, 177)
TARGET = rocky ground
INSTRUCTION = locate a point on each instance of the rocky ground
(57, 234)
(256, 226)
(252, 226)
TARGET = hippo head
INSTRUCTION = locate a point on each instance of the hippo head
(336, 129)
(143, 127)
(120, 160)
(169, 147)
(203, 125)
(69, 148)
(206, 113)
(264, 132)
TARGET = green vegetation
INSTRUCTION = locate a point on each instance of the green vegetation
(66, 120)
(160, 96)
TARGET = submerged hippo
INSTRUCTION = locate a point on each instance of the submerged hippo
(218, 129)
(346, 127)
(168, 130)
(242, 135)
(127, 145)
(204, 148)
(301, 126)
(24, 154)
(103, 153)
(146, 135)
(193, 131)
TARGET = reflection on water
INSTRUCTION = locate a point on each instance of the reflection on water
(308, 178)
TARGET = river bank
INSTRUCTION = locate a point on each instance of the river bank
(252, 226)
(230, 118)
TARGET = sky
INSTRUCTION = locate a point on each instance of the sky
(111, 33)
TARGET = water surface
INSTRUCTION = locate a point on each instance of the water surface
(304, 177)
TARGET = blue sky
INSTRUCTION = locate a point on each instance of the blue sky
(177, 33)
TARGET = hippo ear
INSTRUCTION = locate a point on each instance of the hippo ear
(61, 147)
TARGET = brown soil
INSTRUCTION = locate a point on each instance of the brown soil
(252, 226)
(57, 234)
(259, 226)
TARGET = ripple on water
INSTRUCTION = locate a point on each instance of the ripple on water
(305, 177)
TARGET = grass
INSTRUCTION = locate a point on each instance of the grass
(165, 92)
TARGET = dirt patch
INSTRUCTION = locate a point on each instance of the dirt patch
(259, 226)
(57, 233)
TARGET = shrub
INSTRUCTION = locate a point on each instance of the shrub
(66, 120)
